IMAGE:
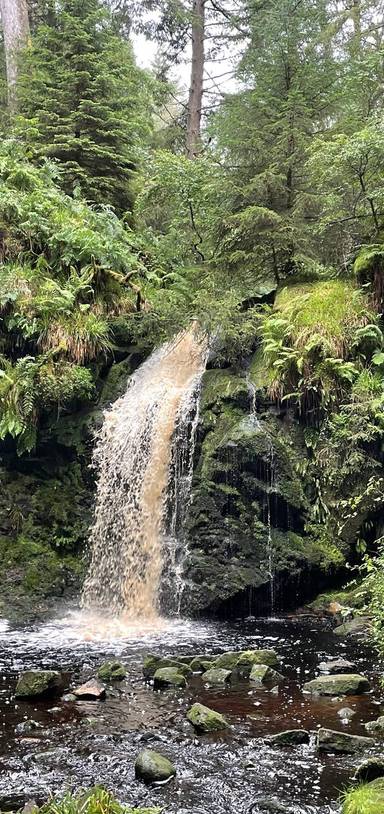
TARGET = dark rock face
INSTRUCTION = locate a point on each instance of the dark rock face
(250, 505)
(369, 770)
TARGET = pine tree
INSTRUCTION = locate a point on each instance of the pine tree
(84, 101)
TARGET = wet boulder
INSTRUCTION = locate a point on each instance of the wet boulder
(169, 677)
(349, 684)
(346, 714)
(264, 676)
(37, 683)
(200, 664)
(217, 675)
(26, 727)
(111, 671)
(329, 740)
(152, 767)
(204, 719)
(358, 626)
(92, 690)
(376, 727)
(153, 663)
(337, 666)
(369, 770)
(248, 658)
(227, 660)
(290, 737)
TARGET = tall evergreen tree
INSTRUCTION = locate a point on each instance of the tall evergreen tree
(84, 101)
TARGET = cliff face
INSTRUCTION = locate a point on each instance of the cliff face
(251, 543)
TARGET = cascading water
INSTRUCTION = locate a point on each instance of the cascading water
(133, 457)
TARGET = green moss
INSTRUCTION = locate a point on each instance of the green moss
(222, 386)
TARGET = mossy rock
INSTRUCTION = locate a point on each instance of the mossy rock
(250, 657)
(348, 684)
(204, 719)
(153, 663)
(200, 664)
(264, 676)
(330, 740)
(369, 770)
(217, 676)
(112, 671)
(153, 767)
(39, 683)
(169, 677)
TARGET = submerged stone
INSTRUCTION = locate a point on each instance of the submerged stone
(337, 666)
(35, 683)
(329, 740)
(338, 685)
(264, 676)
(112, 671)
(25, 727)
(204, 719)
(290, 737)
(217, 675)
(227, 660)
(152, 767)
(92, 690)
(169, 677)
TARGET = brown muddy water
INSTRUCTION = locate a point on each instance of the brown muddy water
(85, 743)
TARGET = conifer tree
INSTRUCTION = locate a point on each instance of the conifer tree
(84, 102)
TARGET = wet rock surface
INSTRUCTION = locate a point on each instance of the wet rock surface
(330, 740)
(38, 683)
(338, 685)
(233, 769)
(153, 767)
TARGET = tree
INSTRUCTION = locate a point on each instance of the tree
(84, 102)
(15, 23)
(197, 78)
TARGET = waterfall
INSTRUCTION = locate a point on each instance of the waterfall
(133, 456)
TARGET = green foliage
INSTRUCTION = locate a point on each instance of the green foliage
(94, 801)
(84, 102)
(311, 340)
(65, 275)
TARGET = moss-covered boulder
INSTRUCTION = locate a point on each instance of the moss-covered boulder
(204, 719)
(169, 677)
(329, 740)
(152, 663)
(264, 676)
(38, 683)
(375, 727)
(349, 684)
(250, 657)
(153, 767)
(112, 671)
(358, 626)
(217, 675)
(200, 664)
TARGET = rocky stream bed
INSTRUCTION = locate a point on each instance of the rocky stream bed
(82, 743)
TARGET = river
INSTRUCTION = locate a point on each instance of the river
(84, 743)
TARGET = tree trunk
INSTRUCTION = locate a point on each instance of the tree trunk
(15, 23)
(356, 22)
(197, 75)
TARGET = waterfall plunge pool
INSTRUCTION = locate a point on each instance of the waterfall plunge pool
(85, 743)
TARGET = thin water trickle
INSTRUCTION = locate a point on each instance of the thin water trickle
(133, 457)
